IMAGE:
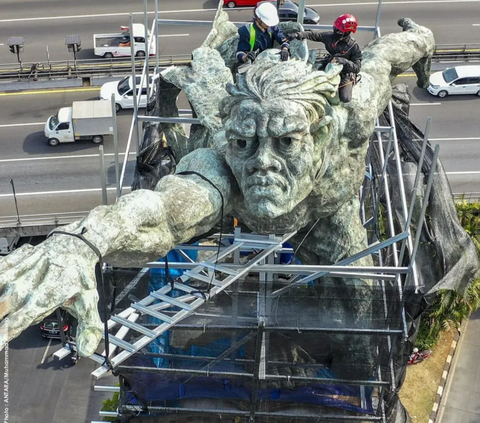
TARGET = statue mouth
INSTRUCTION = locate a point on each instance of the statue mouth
(273, 183)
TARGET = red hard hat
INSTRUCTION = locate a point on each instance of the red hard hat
(346, 23)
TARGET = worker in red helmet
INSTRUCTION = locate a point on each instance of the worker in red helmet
(342, 48)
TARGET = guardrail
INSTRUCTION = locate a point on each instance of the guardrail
(87, 69)
(34, 225)
(82, 69)
(455, 52)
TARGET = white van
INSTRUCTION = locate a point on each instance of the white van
(454, 81)
(124, 92)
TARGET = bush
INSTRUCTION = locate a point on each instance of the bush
(111, 404)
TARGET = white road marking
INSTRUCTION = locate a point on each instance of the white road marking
(473, 172)
(455, 139)
(475, 24)
(10, 125)
(163, 12)
(425, 104)
(71, 191)
(46, 351)
(83, 156)
(174, 35)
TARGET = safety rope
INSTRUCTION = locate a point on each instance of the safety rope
(99, 277)
(191, 172)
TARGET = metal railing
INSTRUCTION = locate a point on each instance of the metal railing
(82, 69)
(456, 52)
(122, 66)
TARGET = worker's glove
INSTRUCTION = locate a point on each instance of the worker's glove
(252, 55)
(339, 60)
(284, 54)
(296, 36)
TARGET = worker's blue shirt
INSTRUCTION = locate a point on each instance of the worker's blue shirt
(263, 40)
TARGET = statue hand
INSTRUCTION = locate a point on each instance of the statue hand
(35, 281)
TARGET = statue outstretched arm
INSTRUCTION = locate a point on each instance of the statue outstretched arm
(139, 227)
(390, 55)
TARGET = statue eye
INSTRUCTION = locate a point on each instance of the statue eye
(285, 142)
(241, 144)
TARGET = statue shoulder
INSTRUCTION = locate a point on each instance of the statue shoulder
(205, 161)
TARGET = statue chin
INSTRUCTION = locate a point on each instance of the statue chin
(263, 208)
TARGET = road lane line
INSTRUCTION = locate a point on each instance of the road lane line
(425, 104)
(163, 12)
(71, 191)
(83, 156)
(455, 139)
(174, 35)
(46, 351)
(11, 125)
(66, 90)
(473, 172)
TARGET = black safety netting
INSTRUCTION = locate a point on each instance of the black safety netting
(446, 257)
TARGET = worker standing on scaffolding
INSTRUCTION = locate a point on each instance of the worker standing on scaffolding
(260, 35)
(342, 48)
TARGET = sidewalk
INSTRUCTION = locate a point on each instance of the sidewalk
(461, 400)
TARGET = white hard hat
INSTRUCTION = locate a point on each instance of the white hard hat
(267, 13)
(415, 350)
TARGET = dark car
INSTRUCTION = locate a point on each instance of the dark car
(50, 328)
(289, 12)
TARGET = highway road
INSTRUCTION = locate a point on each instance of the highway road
(44, 24)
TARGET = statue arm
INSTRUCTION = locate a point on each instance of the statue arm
(139, 227)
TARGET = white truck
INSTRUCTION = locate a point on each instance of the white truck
(118, 45)
(85, 120)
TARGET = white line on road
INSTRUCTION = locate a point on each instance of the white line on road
(473, 172)
(174, 35)
(163, 12)
(78, 156)
(425, 104)
(71, 191)
(10, 125)
(475, 24)
(46, 351)
(455, 139)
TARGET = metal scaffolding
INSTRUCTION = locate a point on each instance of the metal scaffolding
(245, 271)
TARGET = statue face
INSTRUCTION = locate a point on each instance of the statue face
(271, 154)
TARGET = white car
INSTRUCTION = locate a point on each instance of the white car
(124, 92)
(457, 80)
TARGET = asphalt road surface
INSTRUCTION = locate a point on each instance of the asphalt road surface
(44, 24)
(42, 389)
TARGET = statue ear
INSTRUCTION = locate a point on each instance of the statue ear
(322, 128)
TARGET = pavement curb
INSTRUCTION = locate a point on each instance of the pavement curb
(446, 370)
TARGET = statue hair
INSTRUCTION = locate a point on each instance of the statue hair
(269, 78)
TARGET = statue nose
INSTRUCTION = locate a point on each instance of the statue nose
(264, 160)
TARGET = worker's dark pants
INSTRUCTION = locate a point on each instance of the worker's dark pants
(345, 88)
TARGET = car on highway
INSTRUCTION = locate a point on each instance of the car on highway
(243, 3)
(123, 91)
(288, 11)
(455, 81)
(50, 328)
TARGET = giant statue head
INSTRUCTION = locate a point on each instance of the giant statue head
(278, 127)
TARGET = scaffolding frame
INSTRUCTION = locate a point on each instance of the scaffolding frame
(265, 248)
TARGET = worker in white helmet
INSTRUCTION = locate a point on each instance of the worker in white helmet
(260, 35)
